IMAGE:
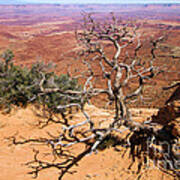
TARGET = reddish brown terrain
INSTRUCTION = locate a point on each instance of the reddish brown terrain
(46, 32)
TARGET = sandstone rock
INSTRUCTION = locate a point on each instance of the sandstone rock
(169, 115)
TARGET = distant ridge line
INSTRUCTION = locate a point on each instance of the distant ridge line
(97, 4)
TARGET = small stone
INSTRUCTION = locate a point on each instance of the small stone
(88, 175)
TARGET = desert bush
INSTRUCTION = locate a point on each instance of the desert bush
(20, 86)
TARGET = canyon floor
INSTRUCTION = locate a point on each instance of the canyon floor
(47, 33)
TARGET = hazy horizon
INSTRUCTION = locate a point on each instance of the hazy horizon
(89, 2)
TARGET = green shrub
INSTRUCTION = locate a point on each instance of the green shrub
(21, 86)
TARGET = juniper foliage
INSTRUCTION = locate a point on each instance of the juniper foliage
(20, 86)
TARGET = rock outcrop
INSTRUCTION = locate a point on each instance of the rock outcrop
(169, 115)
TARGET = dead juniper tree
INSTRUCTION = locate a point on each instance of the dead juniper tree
(125, 75)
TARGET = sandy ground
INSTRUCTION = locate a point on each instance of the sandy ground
(105, 165)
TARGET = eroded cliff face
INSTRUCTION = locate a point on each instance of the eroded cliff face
(174, 124)
(169, 115)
